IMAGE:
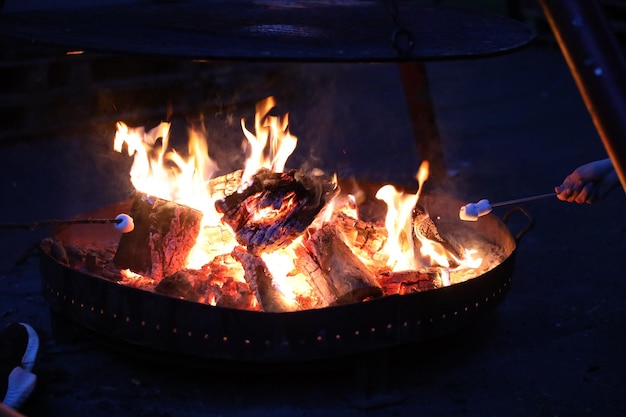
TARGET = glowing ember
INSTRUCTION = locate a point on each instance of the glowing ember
(408, 241)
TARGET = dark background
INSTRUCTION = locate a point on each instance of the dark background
(511, 126)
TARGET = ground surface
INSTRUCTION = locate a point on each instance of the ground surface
(512, 126)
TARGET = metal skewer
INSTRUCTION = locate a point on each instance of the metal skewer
(524, 199)
(45, 223)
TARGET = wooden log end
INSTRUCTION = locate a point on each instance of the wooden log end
(164, 234)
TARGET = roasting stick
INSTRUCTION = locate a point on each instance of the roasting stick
(122, 222)
(472, 211)
(523, 200)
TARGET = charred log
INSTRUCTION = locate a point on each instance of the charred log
(275, 208)
(407, 282)
(224, 288)
(350, 279)
(180, 285)
(164, 234)
(423, 225)
(233, 294)
(54, 248)
(91, 261)
(214, 284)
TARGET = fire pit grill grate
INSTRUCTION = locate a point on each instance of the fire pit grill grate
(345, 31)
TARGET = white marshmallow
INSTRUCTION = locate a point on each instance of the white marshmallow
(126, 225)
(469, 212)
(472, 211)
(484, 207)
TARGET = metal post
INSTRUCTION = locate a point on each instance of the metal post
(423, 119)
(599, 69)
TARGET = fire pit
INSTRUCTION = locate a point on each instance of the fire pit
(144, 288)
(232, 288)
(168, 324)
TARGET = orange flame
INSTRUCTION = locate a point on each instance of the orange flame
(166, 174)
(270, 129)
(169, 175)
(400, 246)
(422, 175)
(281, 264)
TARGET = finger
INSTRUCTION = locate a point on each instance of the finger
(563, 191)
(585, 194)
(572, 197)
(564, 195)
(592, 195)
(570, 181)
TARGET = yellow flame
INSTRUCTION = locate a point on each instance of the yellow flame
(128, 274)
(270, 130)
(167, 174)
(164, 173)
(437, 255)
(328, 212)
(434, 251)
(422, 175)
(398, 221)
(400, 245)
(281, 264)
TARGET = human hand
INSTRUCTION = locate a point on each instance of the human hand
(589, 183)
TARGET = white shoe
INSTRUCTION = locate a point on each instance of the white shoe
(20, 385)
(32, 347)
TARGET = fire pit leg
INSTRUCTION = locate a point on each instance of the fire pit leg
(596, 61)
(372, 380)
(420, 106)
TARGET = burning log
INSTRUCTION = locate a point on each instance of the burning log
(233, 294)
(164, 234)
(54, 248)
(365, 238)
(180, 284)
(424, 226)
(93, 261)
(226, 184)
(407, 282)
(213, 284)
(260, 281)
(223, 289)
(349, 278)
(316, 277)
(275, 208)
(131, 279)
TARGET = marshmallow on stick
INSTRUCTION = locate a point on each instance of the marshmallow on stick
(124, 223)
(472, 211)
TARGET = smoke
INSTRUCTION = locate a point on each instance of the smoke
(352, 120)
